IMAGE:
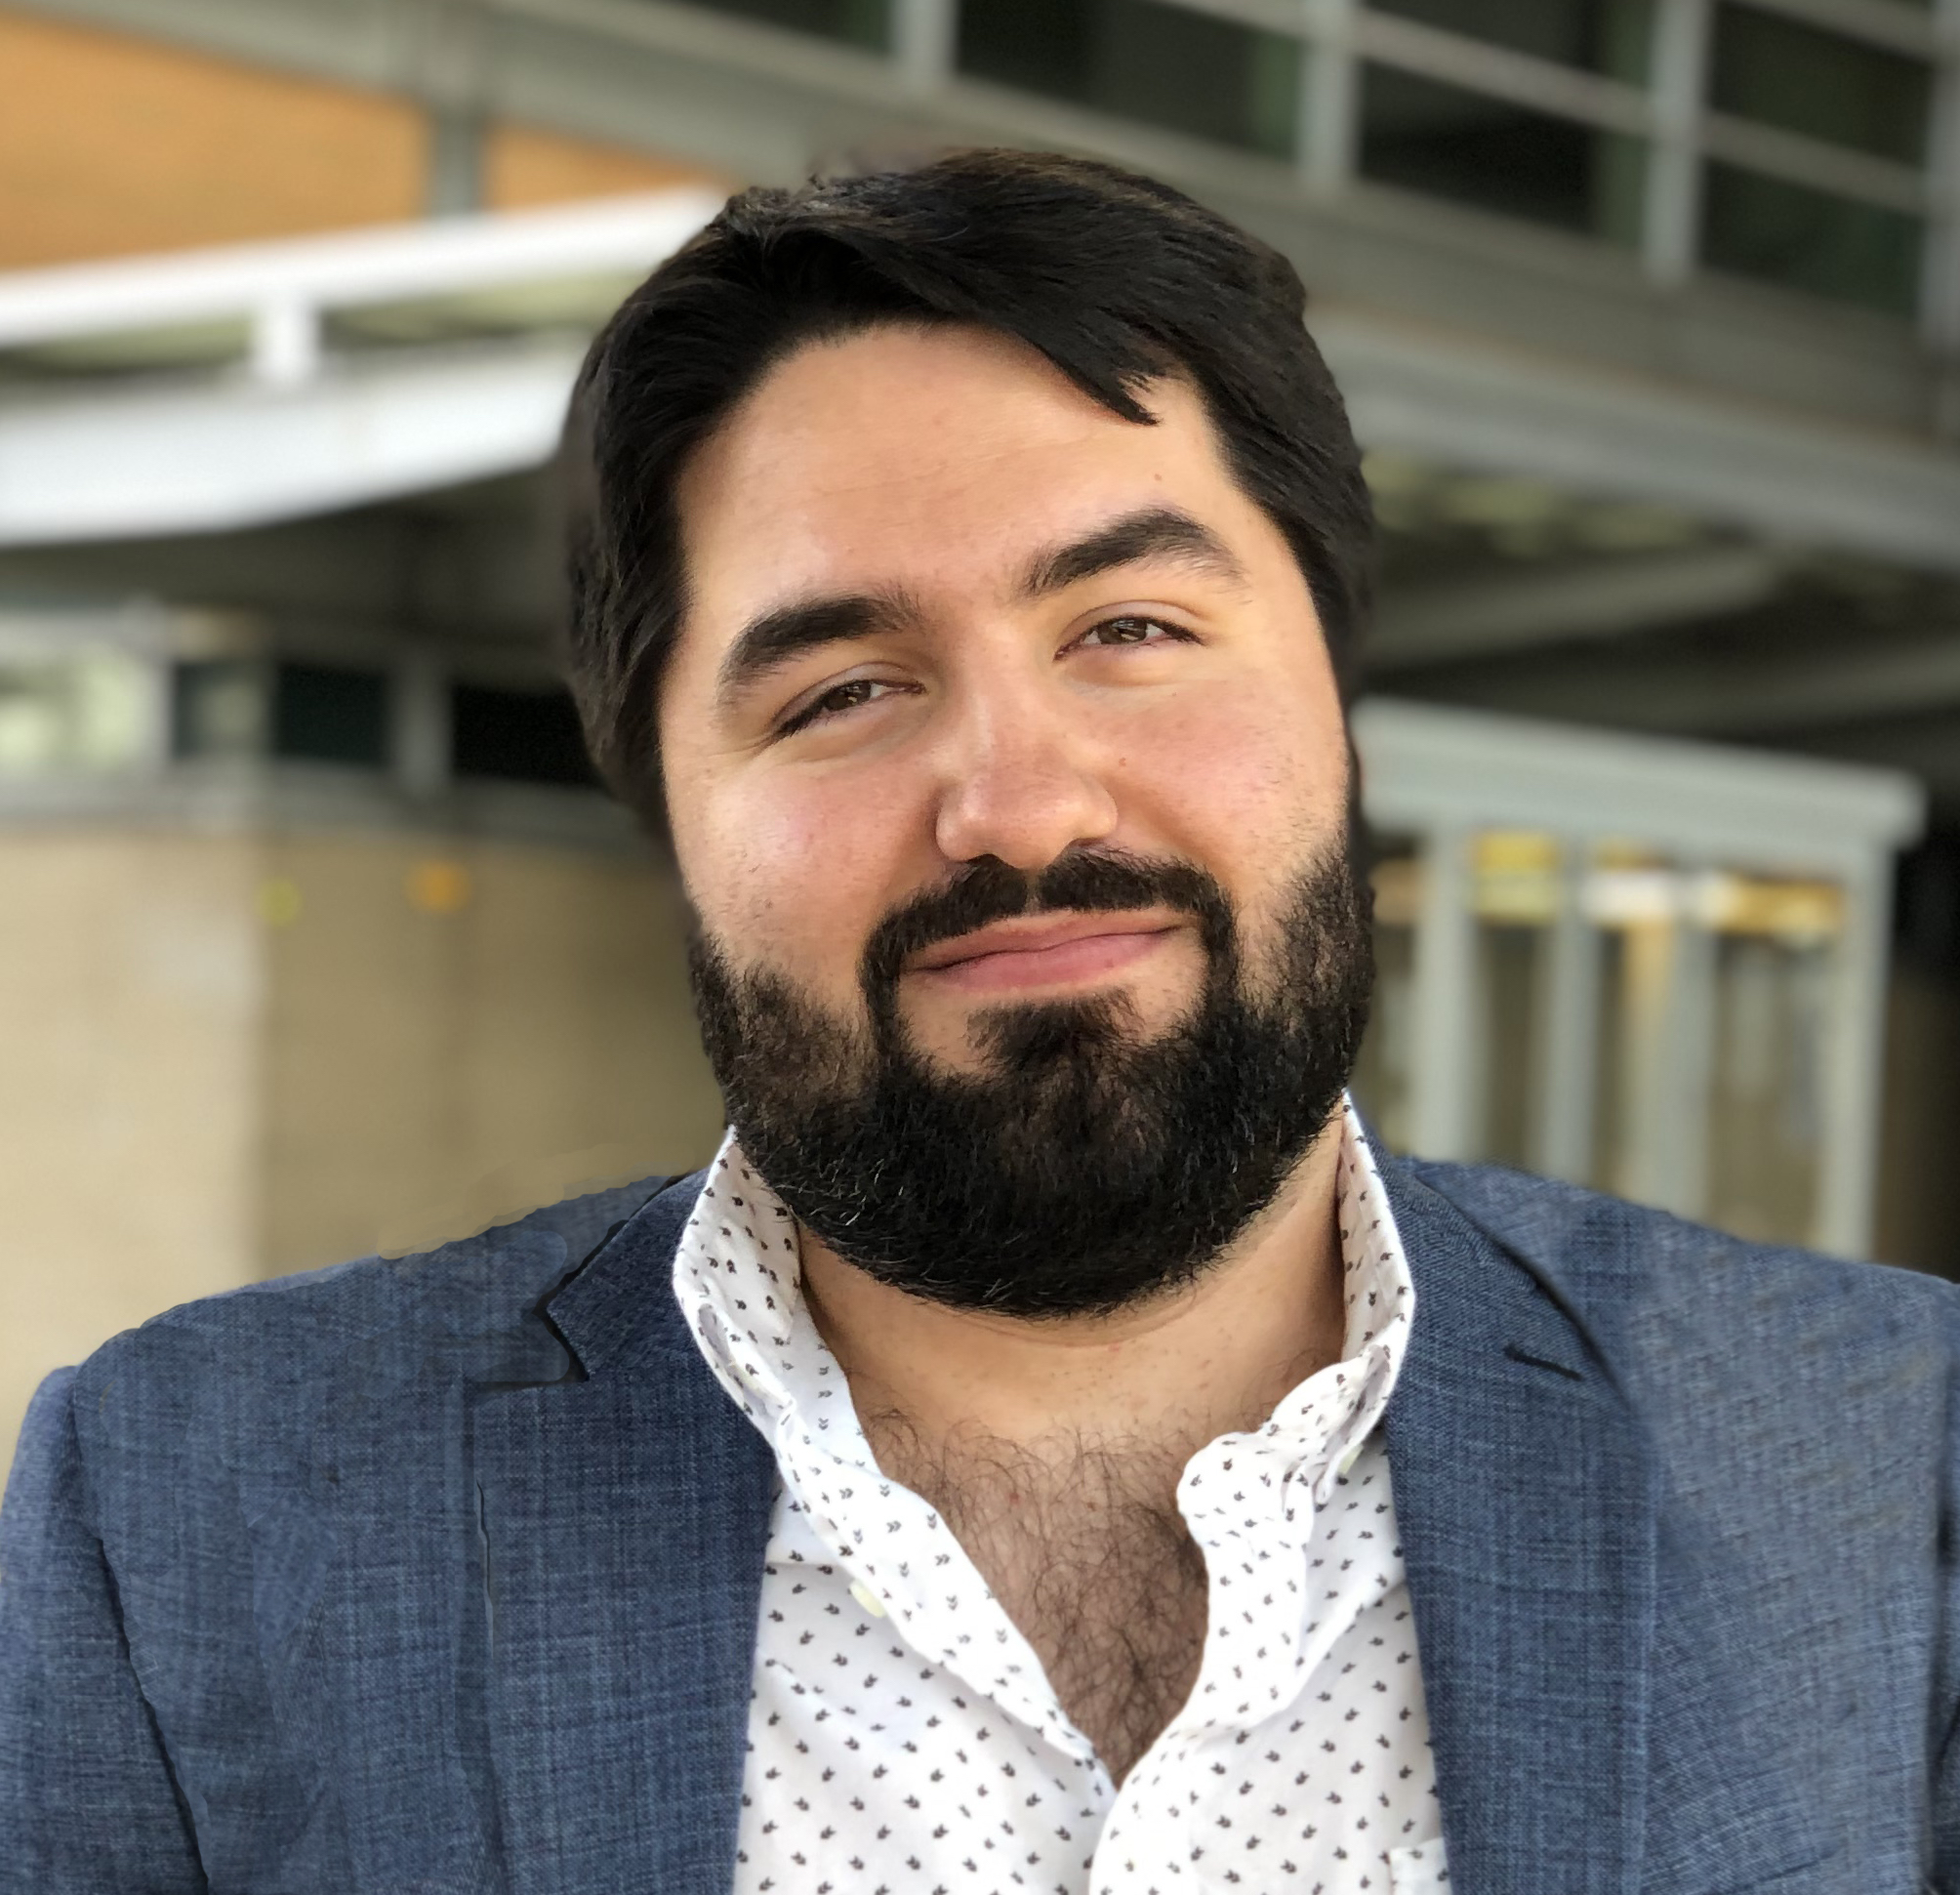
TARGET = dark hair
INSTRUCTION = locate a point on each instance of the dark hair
(1116, 278)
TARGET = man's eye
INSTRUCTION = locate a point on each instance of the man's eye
(847, 696)
(1131, 631)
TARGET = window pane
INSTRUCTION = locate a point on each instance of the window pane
(1449, 143)
(1809, 240)
(71, 714)
(1613, 37)
(218, 707)
(1187, 71)
(517, 736)
(861, 23)
(326, 714)
(1822, 84)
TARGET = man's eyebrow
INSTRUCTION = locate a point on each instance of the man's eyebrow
(1152, 533)
(777, 637)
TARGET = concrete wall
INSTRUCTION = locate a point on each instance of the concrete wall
(132, 1003)
(457, 1031)
(226, 1057)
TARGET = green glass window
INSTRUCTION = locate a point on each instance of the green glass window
(1186, 72)
(330, 714)
(1803, 79)
(858, 22)
(1611, 37)
(218, 707)
(1448, 142)
(519, 737)
(1809, 239)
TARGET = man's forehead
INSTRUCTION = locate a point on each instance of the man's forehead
(901, 453)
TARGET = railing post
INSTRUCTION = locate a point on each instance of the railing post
(1329, 96)
(1672, 226)
(285, 342)
(1443, 1115)
(922, 36)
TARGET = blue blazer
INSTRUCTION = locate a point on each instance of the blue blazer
(442, 1574)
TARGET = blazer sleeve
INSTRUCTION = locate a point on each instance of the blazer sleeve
(88, 1804)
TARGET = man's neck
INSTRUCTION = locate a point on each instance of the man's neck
(1215, 1355)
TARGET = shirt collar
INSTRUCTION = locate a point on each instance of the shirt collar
(738, 1280)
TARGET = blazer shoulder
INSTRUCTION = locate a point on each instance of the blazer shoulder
(1624, 1269)
(254, 1364)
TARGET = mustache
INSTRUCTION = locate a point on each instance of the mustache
(988, 891)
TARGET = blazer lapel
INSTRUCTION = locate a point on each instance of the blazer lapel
(624, 1516)
(1526, 1508)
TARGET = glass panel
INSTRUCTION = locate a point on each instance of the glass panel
(1772, 1002)
(71, 714)
(1187, 71)
(861, 23)
(1634, 900)
(329, 713)
(1803, 79)
(1809, 240)
(1613, 37)
(1449, 143)
(218, 707)
(1516, 896)
(519, 737)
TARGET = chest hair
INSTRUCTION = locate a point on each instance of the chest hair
(1083, 1546)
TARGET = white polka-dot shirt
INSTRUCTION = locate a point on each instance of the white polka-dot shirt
(902, 1736)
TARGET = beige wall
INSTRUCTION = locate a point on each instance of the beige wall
(229, 1058)
(456, 1030)
(132, 997)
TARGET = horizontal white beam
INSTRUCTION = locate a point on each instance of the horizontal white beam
(214, 456)
(1425, 767)
(354, 270)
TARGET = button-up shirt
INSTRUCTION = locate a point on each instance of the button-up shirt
(903, 1736)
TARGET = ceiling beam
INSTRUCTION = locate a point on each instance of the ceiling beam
(1863, 680)
(1441, 624)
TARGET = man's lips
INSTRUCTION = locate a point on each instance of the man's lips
(1043, 950)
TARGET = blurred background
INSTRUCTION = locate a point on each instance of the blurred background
(316, 934)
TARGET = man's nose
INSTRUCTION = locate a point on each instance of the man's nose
(1020, 783)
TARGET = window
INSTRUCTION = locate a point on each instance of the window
(1610, 38)
(519, 737)
(1808, 239)
(61, 714)
(858, 22)
(1449, 143)
(330, 714)
(1822, 85)
(1186, 72)
(218, 707)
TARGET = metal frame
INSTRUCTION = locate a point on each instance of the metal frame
(1670, 112)
(1439, 775)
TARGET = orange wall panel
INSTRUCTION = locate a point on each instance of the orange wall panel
(112, 146)
(523, 167)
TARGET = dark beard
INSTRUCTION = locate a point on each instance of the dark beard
(1082, 1170)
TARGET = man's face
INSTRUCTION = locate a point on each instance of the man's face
(953, 627)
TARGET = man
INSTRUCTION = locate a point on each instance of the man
(1050, 1449)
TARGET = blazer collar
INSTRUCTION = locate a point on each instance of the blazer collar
(624, 1514)
(1527, 1507)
